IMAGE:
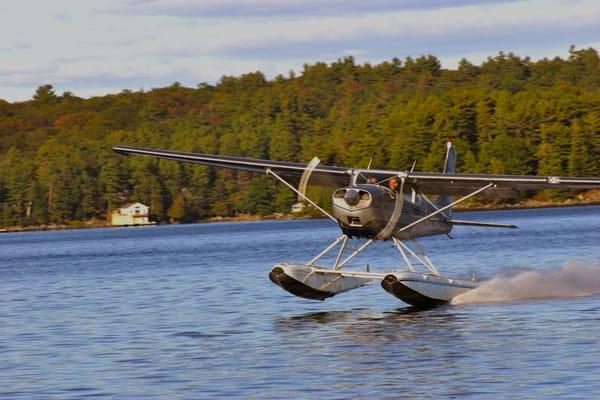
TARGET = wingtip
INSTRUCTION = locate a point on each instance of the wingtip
(120, 150)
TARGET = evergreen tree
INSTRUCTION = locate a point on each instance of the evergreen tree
(260, 196)
(177, 211)
(45, 94)
(509, 114)
(284, 199)
(112, 182)
(580, 158)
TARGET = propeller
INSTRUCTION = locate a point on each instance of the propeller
(301, 190)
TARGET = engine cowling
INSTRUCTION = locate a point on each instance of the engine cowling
(363, 210)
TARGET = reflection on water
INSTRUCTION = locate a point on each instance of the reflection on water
(358, 324)
(409, 350)
(362, 325)
(188, 312)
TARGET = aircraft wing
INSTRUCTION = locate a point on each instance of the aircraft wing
(428, 182)
(321, 175)
(440, 183)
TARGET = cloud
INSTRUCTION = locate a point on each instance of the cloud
(63, 17)
(87, 76)
(458, 27)
(14, 74)
(278, 8)
(151, 43)
(16, 47)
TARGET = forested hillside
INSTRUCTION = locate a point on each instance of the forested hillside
(507, 115)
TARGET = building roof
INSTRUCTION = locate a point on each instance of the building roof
(129, 205)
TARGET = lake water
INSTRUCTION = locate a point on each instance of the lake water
(188, 312)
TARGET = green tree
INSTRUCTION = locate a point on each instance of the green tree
(17, 174)
(580, 157)
(112, 182)
(177, 211)
(45, 94)
(284, 198)
(509, 114)
(283, 143)
(260, 196)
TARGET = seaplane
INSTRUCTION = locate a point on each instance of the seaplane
(375, 205)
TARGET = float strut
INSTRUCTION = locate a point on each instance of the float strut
(328, 249)
(354, 254)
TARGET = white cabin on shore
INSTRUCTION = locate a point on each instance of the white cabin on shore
(131, 214)
(298, 207)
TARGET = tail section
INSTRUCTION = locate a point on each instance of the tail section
(449, 168)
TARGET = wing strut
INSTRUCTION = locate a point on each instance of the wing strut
(302, 195)
(441, 210)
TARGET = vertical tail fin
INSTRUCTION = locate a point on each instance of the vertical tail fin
(449, 168)
(450, 165)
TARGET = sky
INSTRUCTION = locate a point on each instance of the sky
(94, 48)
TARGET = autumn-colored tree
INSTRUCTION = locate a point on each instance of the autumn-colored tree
(507, 115)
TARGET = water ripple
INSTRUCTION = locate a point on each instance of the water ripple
(188, 312)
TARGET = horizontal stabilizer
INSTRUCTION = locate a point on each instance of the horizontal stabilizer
(481, 224)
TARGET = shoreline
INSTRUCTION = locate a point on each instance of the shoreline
(276, 217)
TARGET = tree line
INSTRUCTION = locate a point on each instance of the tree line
(507, 115)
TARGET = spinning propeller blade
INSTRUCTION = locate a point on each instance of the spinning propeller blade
(305, 177)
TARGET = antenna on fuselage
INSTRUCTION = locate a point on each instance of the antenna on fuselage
(414, 164)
